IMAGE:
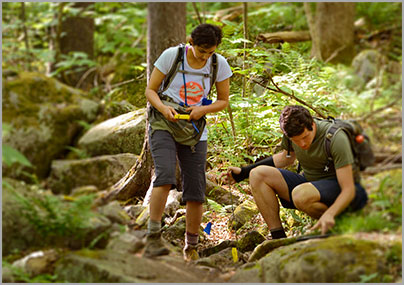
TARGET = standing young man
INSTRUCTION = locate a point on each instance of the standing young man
(322, 192)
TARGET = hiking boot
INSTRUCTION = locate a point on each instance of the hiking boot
(154, 245)
(190, 252)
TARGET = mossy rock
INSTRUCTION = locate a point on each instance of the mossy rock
(177, 230)
(134, 92)
(329, 260)
(19, 234)
(219, 194)
(250, 240)
(23, 233)
(243, 213)
(44, 116)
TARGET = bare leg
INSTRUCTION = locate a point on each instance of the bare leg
(158, 201)
(307, 199)
(193, 217)
(266, 182)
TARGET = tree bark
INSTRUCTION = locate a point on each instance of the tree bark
(78, 36)
(26, 40)
(332, 30)
(166, 28)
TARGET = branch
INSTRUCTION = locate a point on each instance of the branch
(277, 89)
(122, 83)
(335, 53)
(376, 169)
(26, 40)
(197, 12)
(85, 75)
(392, 103)
(297, 99)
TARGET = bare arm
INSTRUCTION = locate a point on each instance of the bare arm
(151, 94)
(223, 89)
(346, 182)
(281, 160)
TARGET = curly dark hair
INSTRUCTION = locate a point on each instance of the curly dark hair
(206, 35)
(294, 119)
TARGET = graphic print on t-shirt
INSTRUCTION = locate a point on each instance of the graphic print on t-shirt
(194, 92)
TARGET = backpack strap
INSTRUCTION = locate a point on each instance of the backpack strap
(174, 69)
(328, 137)
(213, 70)
(289, 148)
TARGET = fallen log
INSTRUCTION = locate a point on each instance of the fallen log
(288, 36)
(228, 14)
(380, 168)
(383, 158)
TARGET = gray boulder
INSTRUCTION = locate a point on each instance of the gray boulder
(223, 259)
(44, 116)
(39, 262)
(115, 213)
(366, 64)
(128, 242)
(122, 134)
(102, 172)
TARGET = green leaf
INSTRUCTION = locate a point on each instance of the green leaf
(11, 156)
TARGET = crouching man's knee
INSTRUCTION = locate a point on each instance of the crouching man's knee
(259, 175)
(304, 195)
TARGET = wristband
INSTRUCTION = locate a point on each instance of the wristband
(245, 170)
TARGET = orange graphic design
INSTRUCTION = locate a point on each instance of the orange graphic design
(194, 93)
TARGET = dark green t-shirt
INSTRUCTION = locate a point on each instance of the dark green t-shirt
(314, 160)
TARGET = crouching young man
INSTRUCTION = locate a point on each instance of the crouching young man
(321, 191)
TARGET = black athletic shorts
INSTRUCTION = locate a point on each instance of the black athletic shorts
(164, 151)
(329, 190)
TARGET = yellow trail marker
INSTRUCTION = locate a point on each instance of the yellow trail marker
(181, 117)
(234, 254)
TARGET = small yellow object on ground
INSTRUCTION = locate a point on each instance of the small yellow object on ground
(182, 117)
(234, 254)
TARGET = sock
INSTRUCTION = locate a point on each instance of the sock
(278, 233)
(191, 239)
(153, 226)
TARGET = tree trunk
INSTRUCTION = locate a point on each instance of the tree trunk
(78, 36)
(166, 28)
(26, 40)
(54, 34)
(332, 30)
(163, 32)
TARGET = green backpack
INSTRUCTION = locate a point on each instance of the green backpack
(360, 142)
